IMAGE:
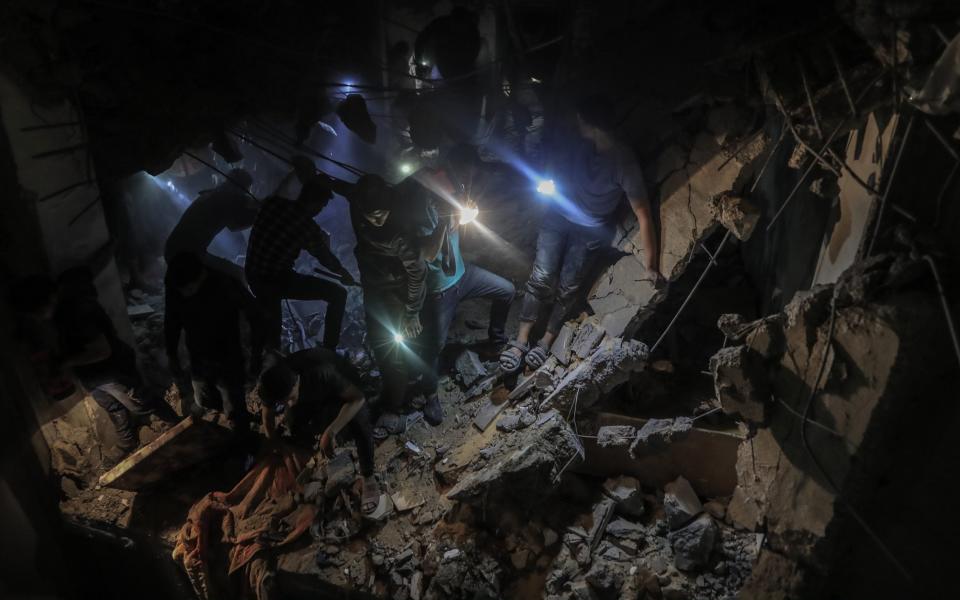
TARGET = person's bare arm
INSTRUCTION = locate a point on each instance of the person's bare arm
(268, 418)
(353, 401)
(648, 235)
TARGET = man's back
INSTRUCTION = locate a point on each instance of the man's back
(223, 207)
(281, 230)
(598, 180)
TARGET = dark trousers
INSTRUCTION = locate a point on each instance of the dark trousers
(440, 309)
(219, 385)
(304, 427)
(270, 292)
(383, 310)
(564, 253)
(118, 401)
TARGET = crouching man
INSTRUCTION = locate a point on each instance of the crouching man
(318, 393)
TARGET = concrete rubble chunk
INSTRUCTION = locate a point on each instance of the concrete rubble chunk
(517, 419)
(627, 494)
(602, 513)
(341, 473)
(523, 468)
(680, 503)
(656, 434)
(740, 382)
(693, 544)
(469, 367)
(473, 576)
(609, 366)
(616, 436)
(735, 213)
(588, 337)
(623, 529)
(561, 345)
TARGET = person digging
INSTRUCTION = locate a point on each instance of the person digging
(319, 393)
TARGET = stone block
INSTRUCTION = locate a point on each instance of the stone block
(693, 544)
(469, 367)
(680, 503)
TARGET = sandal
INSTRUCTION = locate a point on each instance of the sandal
(510, 362)
(389, 424)
(537, 356)
(371, 496)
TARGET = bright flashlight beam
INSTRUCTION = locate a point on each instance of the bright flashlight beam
(406, 168)
(468, 214)
(547, 187)
(398, 338)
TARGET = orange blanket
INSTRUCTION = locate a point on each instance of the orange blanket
(257, 514)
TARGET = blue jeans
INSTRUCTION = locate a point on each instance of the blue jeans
(564, 251)
(439, 310)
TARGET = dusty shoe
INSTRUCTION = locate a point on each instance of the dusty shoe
(433, 411)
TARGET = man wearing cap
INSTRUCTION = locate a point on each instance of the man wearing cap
(282, 229)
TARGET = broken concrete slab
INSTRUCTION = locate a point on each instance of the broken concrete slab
(469, 367)
(693, 544)
(561, 345)
(615, 436)
(620, 293)
(587, 339)
(523, 468)
(705, 457)
(607, 367)
(740, 382)
(518, 419)
(656, 434)
(680, 503)
(185, 444)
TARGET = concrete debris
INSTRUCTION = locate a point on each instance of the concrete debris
(602, 512)
(735, 213)
(609, 366)
(469, 367)
(340, 473)
(518, 419)
(523, 468)
(476, 577)
(588, 337)
(656, 434)
(693, 544)
(615, 436)
(627, 494)
(740, 382)
(680, 503)
(561, 345)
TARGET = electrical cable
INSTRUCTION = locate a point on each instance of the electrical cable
(225, 176)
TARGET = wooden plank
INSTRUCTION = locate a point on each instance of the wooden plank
(706, 458)
(185, 444)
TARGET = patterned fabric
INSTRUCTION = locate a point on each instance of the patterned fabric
(282, 229)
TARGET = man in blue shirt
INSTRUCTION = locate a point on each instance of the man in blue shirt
(601, 172)
(449, 279)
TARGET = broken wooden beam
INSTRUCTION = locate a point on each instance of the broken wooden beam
(187, 443)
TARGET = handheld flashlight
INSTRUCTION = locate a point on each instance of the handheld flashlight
(468, 214)
(398, 338)
(406, 168)
(547, 187)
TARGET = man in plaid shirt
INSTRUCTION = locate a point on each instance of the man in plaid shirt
(282, 229)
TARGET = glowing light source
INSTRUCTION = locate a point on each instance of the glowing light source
(468, 214)
(398, 338)
(406, 168)
(547, 187)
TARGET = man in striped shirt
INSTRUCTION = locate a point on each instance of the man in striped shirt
(283, 229)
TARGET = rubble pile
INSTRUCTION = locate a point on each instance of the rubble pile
(612, 552)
